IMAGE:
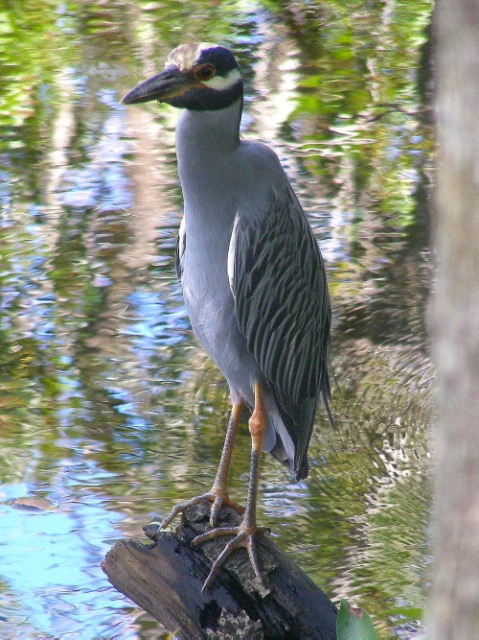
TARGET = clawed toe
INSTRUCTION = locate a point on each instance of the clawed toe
(218, 502)
(179, 508)
(218, 499)
(243, 537)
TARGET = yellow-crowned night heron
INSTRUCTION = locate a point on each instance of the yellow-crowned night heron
(252, 275)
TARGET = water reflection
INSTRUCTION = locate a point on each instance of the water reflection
(45, 553)
(109, 411)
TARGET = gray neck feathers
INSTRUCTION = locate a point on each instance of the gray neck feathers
(207, 133)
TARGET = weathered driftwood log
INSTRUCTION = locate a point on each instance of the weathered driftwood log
(166, 577)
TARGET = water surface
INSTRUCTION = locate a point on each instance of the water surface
(109, 410)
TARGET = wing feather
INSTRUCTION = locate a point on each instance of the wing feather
(180, 248)
(282, 305)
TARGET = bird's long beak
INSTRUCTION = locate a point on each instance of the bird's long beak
(171, 83)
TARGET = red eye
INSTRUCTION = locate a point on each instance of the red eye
(206, 71)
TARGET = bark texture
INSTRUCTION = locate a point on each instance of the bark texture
(454, 605)
(166, 577)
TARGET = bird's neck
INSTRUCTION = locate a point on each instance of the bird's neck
(206, 145)
(207, 135)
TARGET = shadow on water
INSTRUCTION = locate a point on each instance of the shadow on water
(109, 411)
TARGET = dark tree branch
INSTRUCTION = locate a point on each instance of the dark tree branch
(166, 577)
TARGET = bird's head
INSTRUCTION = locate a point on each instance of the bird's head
(201, 77)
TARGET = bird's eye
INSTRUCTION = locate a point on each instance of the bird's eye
(206, 71)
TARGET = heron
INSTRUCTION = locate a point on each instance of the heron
(252, 276)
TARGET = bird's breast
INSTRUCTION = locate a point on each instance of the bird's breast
(205, 281)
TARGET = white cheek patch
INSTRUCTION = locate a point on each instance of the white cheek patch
(221, 83)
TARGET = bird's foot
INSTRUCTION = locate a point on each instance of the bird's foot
(244, 536)
(218, 497)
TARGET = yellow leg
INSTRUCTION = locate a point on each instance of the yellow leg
(257, 427)
(244, 534)
(218, 494)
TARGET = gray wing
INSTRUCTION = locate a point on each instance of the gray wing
(282, 304)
